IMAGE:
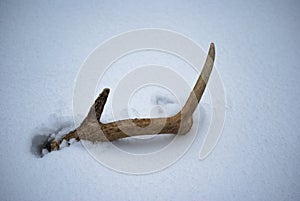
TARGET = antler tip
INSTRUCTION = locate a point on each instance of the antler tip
(106, 90)
(212, 51)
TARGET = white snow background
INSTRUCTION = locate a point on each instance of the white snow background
(43, 44)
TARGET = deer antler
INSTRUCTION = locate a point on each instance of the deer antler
(92, 129)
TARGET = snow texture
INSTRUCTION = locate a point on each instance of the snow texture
(44, 43)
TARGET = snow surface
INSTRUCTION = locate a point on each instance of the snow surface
(43, 44)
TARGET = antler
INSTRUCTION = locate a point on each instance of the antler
(92, 129)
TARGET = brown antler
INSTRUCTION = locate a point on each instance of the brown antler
(92, 129)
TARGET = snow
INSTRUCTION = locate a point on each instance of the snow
(44, 43)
